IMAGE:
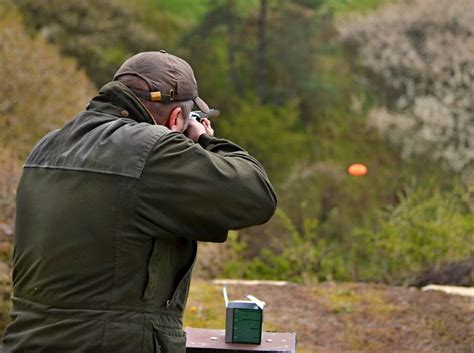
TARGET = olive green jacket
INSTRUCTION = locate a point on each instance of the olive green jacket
(109, 212)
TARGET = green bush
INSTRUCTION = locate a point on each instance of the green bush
(294, 255)
(426, 228)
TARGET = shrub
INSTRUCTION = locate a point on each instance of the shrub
(428, 227)
(40, 90)
(298, 255)
(9, 175)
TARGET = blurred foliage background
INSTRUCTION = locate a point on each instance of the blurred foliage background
(308, 87)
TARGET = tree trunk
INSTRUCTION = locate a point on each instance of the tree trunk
(261, 50)
(231, 19)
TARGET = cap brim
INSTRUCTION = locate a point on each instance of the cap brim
(201, 105)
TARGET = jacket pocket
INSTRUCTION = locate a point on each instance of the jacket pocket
(165, 342)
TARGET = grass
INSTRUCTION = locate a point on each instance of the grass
(205, 308)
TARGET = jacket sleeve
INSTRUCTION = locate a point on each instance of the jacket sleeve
(202, 190)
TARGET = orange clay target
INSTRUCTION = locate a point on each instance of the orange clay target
(357, 169)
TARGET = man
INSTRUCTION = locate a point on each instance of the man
(110, 209)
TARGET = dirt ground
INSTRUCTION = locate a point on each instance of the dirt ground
(349, 317)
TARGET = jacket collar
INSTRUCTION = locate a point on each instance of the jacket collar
(116, 99)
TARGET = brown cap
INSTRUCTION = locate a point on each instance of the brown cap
(169, 78)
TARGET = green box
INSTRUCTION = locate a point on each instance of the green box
(244, 320)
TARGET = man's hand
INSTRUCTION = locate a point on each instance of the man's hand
(207, 126)
(196, 129)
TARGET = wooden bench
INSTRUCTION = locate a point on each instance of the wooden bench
(213, 341)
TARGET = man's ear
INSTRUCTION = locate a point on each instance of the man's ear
(174, 118)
